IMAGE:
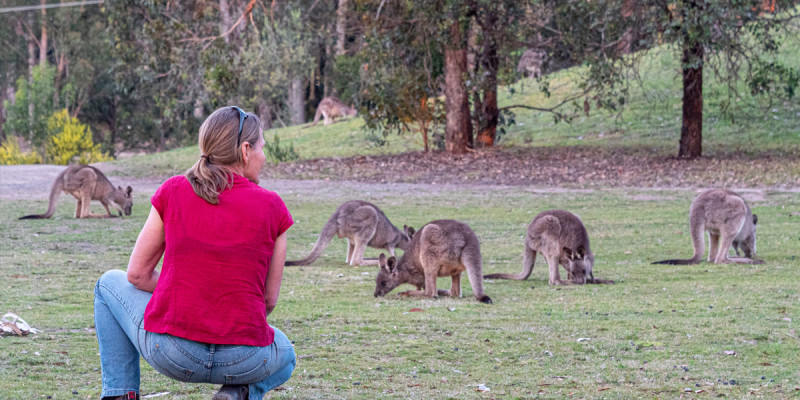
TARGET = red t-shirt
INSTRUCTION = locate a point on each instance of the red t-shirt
(211, 287)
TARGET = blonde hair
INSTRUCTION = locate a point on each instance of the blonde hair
(218, 150)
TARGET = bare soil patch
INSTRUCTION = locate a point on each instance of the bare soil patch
(570, 167)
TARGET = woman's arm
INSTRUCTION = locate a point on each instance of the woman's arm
(146, 253)
(272, 286)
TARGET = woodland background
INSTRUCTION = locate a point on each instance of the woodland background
(85, 82)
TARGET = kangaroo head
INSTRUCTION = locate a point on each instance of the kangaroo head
(405, 237)
(748, 244)
(388, 276)
(580, 264)
(123, 200)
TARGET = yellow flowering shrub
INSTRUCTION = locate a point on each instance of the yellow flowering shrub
(11, 154)
(70, 140)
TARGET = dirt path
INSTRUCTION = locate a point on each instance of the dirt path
(33, 182)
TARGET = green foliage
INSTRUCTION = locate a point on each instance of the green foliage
(38, 94)
(277, 153)
(11, 154)
(70, 140)
(771, 77)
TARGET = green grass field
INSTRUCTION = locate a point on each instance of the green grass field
(658, 331)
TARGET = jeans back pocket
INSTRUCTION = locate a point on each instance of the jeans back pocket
(163, 363)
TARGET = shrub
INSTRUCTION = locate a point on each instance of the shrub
(277, 154)
(71, 140)
(11, 154)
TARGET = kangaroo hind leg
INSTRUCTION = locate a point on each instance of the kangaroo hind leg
(713, 247)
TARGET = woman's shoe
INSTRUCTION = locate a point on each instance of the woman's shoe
(232, 392)
(127, 396)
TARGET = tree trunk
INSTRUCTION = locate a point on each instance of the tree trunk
(297, 111)
(456, 134)
(61, 65)
(162, 137)
(458, 128)
(691, 144)
(341, 27)
(226, 22)
(43, 39)
(112, 126)
(31, 64)
(490, 62)
(6, 94)
(264, 112)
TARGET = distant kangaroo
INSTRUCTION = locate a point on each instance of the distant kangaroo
(729, 221)
(440, 248)
(363, 224)
(87, 183)
(562, 239)
(331, 108)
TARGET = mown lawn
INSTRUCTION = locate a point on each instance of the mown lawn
(658, 332)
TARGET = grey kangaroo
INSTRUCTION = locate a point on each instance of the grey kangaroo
(562, 239)
(729, 222)
(362, 224)
(87, 183)
(440, 248)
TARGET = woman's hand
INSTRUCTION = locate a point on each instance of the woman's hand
(272, 286)
(147, 253)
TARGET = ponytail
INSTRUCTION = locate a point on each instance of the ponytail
(218, 138)
(208, 180)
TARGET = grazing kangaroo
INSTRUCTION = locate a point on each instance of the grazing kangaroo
(440, 248)
(363, 224)
(331, 108)
(87, 183)
(562, 239)
(729, 221)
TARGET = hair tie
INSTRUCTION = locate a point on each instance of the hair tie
(207, 157)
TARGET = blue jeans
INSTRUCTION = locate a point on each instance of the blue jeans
(119, 320)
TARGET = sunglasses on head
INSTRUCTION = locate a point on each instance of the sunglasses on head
(242, 117)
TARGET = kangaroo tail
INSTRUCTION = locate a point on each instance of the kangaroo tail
(322, 242)
(55, 192)
(698, 227)
(528, 258)
(472, 261)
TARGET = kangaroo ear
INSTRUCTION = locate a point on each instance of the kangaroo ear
(382, 260)
(755, 219)
(391, 263)
(569, 252)
(581, 252)
(409, 231)
(128, 190)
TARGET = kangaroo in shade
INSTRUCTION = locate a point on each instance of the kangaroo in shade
(331, 108)
(87, 183)
(362, 224)
(729, 222)
(440, 248)
(562, 239)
